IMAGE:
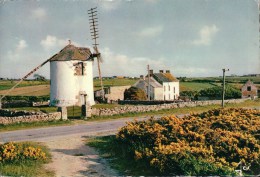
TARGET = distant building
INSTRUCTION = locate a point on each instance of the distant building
(163, 85)
(112, 94)
(249, 90)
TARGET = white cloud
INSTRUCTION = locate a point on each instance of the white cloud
(38, 13)
(52, 42)
(151, 31)
(152, 1)
(206, 35)
(110, 4)
(21, 45)
(122, 65)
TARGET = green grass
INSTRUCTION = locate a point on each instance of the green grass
(4, 85)
(30, 125)
(45, 109)
(114, 82)
(110, 150)
(29, 167)
(194, 86)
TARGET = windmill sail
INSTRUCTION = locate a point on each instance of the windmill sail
(94, 34)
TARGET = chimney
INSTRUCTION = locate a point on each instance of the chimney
(151, 72)
(168, 71)
(161, 71)
(141, 76)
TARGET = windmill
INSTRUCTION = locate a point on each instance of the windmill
(94, 34)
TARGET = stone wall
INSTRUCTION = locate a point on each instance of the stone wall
(12, 116)
(147, 108)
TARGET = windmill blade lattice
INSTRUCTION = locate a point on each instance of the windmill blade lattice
(94, 34)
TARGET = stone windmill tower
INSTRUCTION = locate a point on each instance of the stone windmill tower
(71, 77)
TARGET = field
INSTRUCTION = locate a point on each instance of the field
(40, 88)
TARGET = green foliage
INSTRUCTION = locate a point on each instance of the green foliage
(192, 94)
(134, 93)
(216, 92)
(27, 98)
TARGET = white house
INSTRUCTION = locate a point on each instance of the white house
(163, 85)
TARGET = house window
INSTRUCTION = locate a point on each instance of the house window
(173, 89)
(164, 97)
(249, 88)
(169, 87)
(169, 96)
(174, 97)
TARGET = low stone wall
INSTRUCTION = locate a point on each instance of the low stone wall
(147, 108)
(12, 116)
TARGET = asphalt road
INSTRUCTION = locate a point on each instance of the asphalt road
(90, 128)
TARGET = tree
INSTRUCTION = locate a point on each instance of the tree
(214, 92)
(134, 93)
(39, 77)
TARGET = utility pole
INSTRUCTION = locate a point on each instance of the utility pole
(223, 87)
(148, 91)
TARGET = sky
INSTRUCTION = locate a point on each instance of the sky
(191, 38)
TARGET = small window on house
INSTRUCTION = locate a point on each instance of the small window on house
(174, 97)
(169, 96)
(164, 97)
(173, 89)
(169, 87)
(249, 88)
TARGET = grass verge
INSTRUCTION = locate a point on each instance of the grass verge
(108, 148)
(28, 167)
(29, 125)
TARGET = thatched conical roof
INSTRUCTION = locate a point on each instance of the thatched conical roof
(70, 52)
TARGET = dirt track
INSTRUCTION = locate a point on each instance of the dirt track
(71, 157)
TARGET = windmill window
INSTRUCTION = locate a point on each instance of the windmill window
(249, 88)
(79, 69)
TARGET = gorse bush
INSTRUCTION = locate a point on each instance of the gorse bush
(209, 143)
(14, 152)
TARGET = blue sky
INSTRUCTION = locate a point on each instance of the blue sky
(189, 37)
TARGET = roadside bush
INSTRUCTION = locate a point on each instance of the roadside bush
(134, 93)
(210, 143)
(17, 152)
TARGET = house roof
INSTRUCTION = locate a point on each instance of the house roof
(144, 83)
(249, 83)
(70, 52)
(164, 77)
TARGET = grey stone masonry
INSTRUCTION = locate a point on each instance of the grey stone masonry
(147, 108)
(12, 116)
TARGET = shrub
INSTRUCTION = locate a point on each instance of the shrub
(14, 152)
(215, 92)
(210, 143)
(134, 93)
